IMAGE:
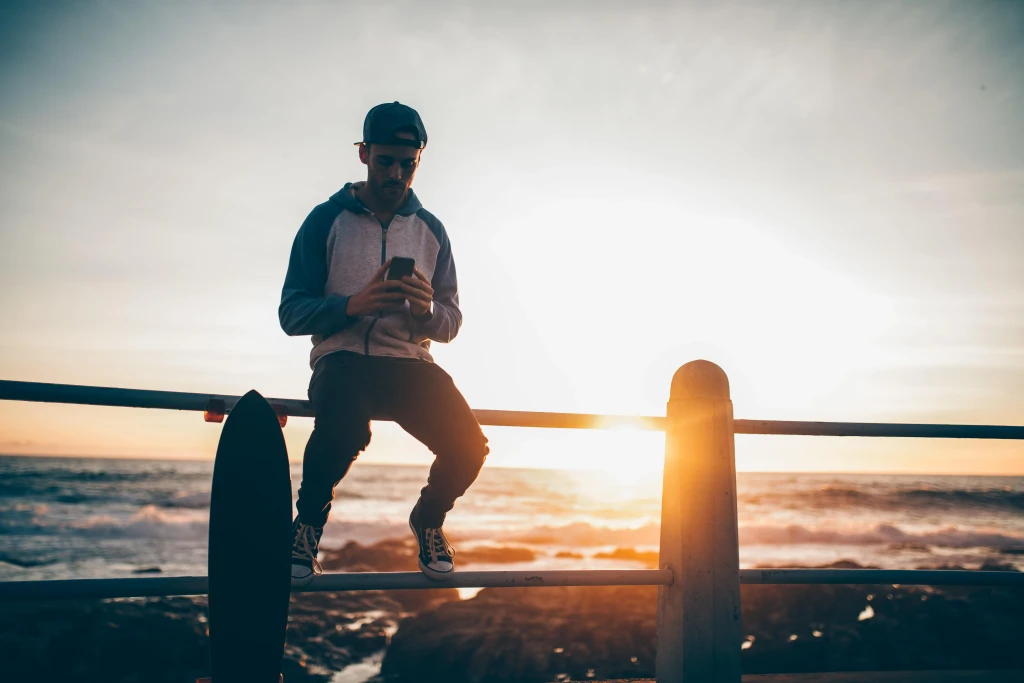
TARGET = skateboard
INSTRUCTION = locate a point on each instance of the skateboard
(249, 546)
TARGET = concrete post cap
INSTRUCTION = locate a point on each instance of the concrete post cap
(699, 379)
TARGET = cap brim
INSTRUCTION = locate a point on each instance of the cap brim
(399, 142)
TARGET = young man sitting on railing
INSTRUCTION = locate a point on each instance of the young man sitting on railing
(371, 339)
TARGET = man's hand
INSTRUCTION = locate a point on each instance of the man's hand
(419, 292)
(377, 295)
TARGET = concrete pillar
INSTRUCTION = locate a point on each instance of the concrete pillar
(699, 632)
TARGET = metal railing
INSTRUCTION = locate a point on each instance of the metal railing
(698, 619)
(217, 405)
(150, 587)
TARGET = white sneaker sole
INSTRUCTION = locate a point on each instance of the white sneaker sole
(297, 582)
(434, 575)
(427, 571)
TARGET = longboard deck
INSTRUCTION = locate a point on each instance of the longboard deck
(249, 556)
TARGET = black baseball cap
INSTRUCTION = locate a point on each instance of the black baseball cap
(385, 121)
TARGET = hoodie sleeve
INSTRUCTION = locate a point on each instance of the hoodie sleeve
(304, 309)
(444, 324)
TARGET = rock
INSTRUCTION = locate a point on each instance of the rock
(124, 640)
(399, 555)
(838, 564)
(392, 555)
(986, 567)
(648, 558)
(545, 634)
(165, 640)
(495, 555)
(509, 634)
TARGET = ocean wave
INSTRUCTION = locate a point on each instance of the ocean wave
(107, 495)
(20, 489)
(152, 521)
(26, 562)
(110, 492)
(188, 500)
(583, 534)
(880, 534)
(148, 522)
(580, 534)
(79, 476)
(991, 499)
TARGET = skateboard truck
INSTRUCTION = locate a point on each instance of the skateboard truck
(216, 409)
(281, 412)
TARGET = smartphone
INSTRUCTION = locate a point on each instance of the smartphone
(401, 266)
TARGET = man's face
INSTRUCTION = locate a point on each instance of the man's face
(390, 169)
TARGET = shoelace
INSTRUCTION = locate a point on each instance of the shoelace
(438, 544)
(302, 546)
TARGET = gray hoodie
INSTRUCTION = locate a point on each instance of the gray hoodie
(336, 251)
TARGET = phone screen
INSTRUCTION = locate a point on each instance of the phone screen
(401, 266)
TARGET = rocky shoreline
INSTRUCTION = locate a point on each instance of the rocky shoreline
(504, 635)
(165, 640)
(560, 634)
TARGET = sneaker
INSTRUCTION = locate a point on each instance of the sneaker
(436, 555)
(305, 541)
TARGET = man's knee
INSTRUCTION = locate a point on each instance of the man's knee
(340, 440)
(471, 443)
(470, 454)
(482, 449)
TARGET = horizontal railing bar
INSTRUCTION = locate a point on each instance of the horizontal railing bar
(145, 587)
(903, 577)
(175, 400)
(880, 429)
(524, 418)
(339, 581)
(42, 392)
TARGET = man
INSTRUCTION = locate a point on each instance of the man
(371, 339)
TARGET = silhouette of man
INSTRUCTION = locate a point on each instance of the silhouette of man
(371, 339)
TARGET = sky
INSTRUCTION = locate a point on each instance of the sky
(826, 199)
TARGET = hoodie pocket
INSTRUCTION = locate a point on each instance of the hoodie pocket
(395, 329)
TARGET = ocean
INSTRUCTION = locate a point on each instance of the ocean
(66, 518)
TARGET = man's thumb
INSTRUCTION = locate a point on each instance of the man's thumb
(379, 275)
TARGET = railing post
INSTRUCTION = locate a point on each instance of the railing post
(699, 633)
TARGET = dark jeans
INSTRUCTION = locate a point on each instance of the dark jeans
(349, 389)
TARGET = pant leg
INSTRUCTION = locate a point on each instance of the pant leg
(423, 399)
(341, 430)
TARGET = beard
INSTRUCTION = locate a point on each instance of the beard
(389, 193)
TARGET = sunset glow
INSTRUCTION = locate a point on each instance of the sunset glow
(836, 224)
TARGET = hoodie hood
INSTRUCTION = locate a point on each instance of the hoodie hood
(346, 198)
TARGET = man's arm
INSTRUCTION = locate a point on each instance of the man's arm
(304, 309)
(443, 324)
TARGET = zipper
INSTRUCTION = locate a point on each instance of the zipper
(383, 258)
